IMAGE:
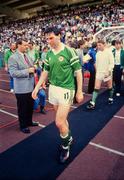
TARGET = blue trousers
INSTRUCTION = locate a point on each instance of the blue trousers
(41, 100)
(38, 71)
(11, 83)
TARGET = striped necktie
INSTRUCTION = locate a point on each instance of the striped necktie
(27, 60)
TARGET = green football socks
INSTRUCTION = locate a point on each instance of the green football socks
(66, 139)
(95, 94)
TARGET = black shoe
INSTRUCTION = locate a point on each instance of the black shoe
(64, 154)
(34, 123)
(25, 130)
(43, 111)
(91, 106)
(110, 101)
(65, 151)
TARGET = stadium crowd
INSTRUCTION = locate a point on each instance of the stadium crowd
(75, 22)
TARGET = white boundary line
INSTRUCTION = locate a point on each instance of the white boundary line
(107, 149)
(13, 115)
(120, 117)
(91, 143)
(5, 112)
(2, 90)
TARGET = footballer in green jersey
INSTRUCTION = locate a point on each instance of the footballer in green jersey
(62, 67)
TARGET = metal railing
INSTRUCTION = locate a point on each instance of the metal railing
(110, 33)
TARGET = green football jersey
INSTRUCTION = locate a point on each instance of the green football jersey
(61, 67)
(7, 56)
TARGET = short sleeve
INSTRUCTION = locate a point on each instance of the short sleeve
(46, 63)
(74, 60)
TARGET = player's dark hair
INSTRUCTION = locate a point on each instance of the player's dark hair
(54, 30)
(19, 41)
(113, 42)
(94, 45)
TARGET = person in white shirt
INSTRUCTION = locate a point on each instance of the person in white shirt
(104, 68)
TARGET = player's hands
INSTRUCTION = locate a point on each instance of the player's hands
(31, 70)
(44, 85)
(79, 96)
(34, 93)
(35, 66)
(6, 68)
(108, 73)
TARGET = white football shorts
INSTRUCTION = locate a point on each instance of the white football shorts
(59, 95)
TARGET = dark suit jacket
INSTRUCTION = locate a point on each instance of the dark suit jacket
(121, 57)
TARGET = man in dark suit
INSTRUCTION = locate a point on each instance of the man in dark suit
(118, 53)
(22, 70)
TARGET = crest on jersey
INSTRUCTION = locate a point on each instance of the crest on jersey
(61, 58)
